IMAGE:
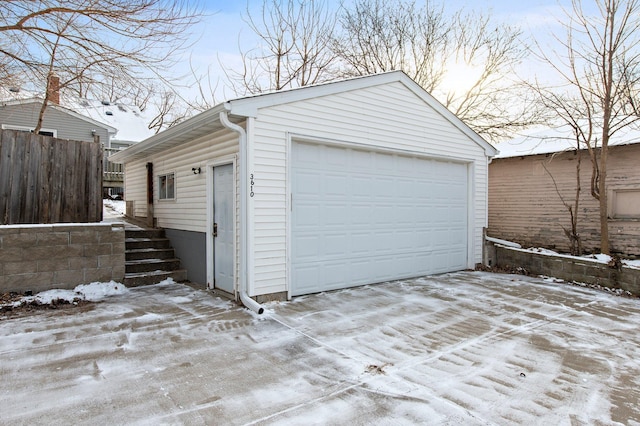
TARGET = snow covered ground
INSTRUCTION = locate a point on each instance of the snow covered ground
(599, 258)
(113, 208)
(463, 348)
(93, 292)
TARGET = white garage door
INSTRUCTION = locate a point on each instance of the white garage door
(361, 217)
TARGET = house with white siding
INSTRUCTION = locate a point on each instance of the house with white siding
(317, 188)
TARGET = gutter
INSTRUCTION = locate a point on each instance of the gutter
(197, 122)
(244, 222)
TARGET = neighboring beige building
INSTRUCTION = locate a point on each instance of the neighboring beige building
(529, 179)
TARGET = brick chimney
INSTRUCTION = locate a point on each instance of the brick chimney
(54, 89)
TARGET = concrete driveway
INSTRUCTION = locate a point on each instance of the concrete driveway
(463, 348)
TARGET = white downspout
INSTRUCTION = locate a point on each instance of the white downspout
(244, 218)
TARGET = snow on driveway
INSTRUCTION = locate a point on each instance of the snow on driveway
(463, 348)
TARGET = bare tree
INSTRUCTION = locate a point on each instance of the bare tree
(600, 68)
(572, 206)
(379, 36)
(294, 47)
(89, 44)
(425, 43)
(169, 113)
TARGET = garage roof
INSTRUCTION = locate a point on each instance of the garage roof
(238, 109)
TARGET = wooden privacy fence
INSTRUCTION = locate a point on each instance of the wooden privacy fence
(49, 180)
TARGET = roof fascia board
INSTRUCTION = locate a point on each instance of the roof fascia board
(248, 107)
(162, 138)
(62, 109)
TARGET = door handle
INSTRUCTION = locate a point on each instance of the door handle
(215, 230)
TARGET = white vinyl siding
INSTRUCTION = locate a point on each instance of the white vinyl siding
(188, 212)
(388, 116)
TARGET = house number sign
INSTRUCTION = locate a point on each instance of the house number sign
(252, 183)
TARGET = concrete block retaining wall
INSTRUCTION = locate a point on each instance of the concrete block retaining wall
(569, 269)
(42, 257)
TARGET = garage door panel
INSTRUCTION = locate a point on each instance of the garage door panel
(334, 244)
(405, 189)
(360, 243)
(422, 238)
(308, 216)
(458, 237)
(360, 187)
(423, 261)
(334, 185)
(334, 214)
(405, 215)
(441, 238)
(340, 273)
(383, 243)
(385, 189)
(334, 273)
(308, 183)
(362, 211)
(375, 217)
(307, 277)
(405, 240)
(308, 247)
(384, 216)
(334, 156)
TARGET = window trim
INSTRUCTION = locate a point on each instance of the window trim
(29, 129)
(612, 202)
(159, 179)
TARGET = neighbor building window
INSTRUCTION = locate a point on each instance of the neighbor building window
(625, 204)
(167, 186)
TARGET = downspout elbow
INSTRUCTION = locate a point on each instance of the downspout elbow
(242, 139)
(250, 303)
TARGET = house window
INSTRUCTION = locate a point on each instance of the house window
(44, 132)
(625, 204)
(167, 186)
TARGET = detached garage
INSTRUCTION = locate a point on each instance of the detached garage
(319, 188)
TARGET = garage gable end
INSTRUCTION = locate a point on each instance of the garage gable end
(361, 186)
(250, 106)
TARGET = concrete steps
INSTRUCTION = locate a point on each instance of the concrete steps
(149, 258)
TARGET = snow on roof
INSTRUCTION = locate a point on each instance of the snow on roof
(38, 101)
(556, 139)
(14, 93)
(130, 123)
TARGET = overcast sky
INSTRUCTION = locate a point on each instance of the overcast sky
(219, 35)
